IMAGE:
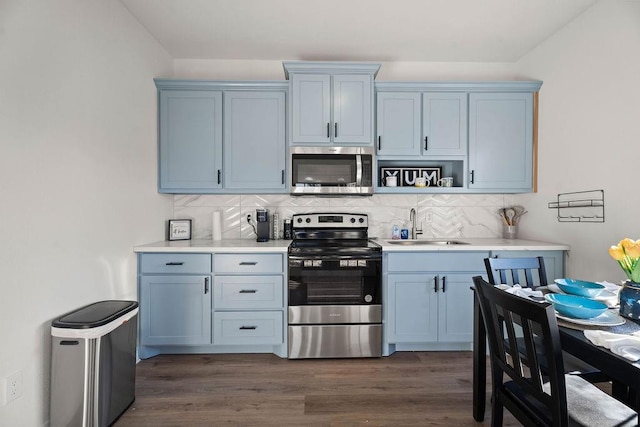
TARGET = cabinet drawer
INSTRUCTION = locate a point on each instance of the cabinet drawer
(175, 263)
(437, 261)
(248, 263)
(240, 327)
(239, 292)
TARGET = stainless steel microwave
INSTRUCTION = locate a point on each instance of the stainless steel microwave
(332, 170)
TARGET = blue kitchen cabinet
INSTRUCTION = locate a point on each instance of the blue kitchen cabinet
(444, 124)
(501, 141)
(422, 125)
(398, 123)
(221, 137)
(429, 303)
(212, 303)
(190, 141)
(331, 103)
(177, 310)
(254, 140)
(175, 301)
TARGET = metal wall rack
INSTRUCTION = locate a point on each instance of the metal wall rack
(580, 206)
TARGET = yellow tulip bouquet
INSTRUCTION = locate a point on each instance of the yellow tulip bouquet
(627, 253)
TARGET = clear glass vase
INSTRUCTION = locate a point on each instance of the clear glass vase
(630, 300)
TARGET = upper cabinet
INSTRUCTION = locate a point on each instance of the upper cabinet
(222, 137)
(190, 140)
(421, 124)
(481, 134)
(501, 141)
(254, 135)
(331, 102)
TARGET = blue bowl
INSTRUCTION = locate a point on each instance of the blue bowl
(580, 287)
(575, 306)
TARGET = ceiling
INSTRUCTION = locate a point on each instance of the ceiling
(354, 30)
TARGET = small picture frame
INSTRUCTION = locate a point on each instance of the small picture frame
(179, 229)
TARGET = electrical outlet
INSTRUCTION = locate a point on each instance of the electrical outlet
(13, 386)
(429, 217)
(249, 218)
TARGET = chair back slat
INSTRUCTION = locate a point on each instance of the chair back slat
(527, 272)
(510, 320)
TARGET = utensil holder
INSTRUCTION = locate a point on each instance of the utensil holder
(509, 231)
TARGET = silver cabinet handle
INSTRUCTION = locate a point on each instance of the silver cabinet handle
(335, 134)
(219, 176)
(328, 130)
(248, 291)
(444, 284)
(435, 284)
(206, 285)
(248, 328)
(426, 143)
(472, 176)
(283, 176)
(248, 263)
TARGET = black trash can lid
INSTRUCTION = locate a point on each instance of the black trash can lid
(94, 315)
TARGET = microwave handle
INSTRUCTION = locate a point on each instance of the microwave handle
(359, 170)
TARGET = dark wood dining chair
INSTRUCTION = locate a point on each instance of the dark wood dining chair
(527, 272)
(537, 396)
(531, 273)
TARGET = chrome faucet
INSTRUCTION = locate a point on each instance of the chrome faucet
(414, 230)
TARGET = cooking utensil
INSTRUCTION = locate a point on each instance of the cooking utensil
(510, 214)
(503, 215)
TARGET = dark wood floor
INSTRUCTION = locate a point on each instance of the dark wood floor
(405, 389)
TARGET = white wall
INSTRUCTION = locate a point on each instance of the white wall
(77, 173)
(589, 132)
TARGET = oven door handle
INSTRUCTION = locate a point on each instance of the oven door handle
(335, 257)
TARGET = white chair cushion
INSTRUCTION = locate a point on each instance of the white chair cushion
(587, 405)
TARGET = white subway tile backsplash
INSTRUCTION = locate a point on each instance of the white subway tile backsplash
(440, 215)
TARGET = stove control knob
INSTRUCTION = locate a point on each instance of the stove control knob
(353, 220)
(361, 220)
(299, 220)
(308, 220)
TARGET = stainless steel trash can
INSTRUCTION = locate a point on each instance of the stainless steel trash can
(93, 363)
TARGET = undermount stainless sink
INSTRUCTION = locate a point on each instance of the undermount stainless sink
(426, 242)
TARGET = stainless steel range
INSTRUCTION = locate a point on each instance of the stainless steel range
(335, 288)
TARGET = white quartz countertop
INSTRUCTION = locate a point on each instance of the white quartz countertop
(474, 245)
(250, 245)
(207, 245)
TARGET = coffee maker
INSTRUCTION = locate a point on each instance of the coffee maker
(262, 224)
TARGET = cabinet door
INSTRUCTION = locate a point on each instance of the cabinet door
(311, 108)
(398, 122)
(455, 308)
(352, 109)
(412, 308)
(254, 141)
(190, 154)
(501, 141)
(444, 123)
(175, 310)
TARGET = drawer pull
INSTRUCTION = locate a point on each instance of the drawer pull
(250, 328)
(248, 291)
(248, 263)
(175, 263)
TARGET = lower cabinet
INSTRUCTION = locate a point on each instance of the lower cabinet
(177, 310)
(429, 301)
(211, 303)
(428, 298)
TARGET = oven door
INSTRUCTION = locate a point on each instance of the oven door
(335, 280)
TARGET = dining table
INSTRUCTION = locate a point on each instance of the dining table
(624, 373)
